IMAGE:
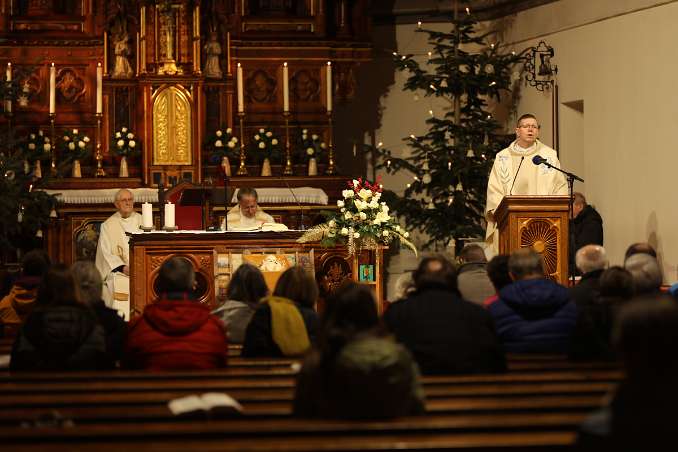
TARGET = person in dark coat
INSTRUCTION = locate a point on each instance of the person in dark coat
(285, 324)
(586, 227)
(356, 371)
(641, 412)
(90, 285)
(444, 333)
(61, 333)
(176, 332)
(533, 314)
(591, 261)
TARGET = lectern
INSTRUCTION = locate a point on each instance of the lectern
(540, 222)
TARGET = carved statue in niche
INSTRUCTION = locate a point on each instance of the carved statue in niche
(167, 39)
(213, 54)
(69, 85)
(121, 68)
(260, 87)
(304, 87)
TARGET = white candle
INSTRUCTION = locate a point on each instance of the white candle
(241, 95)
(52, 89)
(329, 85)
(100, 81)
(169, 215)
(8, 102)
(286, 88)
(147, 215)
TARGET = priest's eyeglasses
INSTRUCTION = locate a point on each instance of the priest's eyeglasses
(529, 126)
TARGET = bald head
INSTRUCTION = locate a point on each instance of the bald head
(590, 258)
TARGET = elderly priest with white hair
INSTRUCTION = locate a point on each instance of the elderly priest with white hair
(112, 259)
(247, 214)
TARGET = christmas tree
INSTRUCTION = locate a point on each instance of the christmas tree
(451, 162)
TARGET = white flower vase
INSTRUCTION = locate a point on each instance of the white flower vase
(37, 170)
(124, 170)
(266, 168)
(76, 171)
(226, 166)
(312, 167)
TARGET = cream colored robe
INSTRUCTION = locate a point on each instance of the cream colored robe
(531, 180)
(112, 252)
(237, 220)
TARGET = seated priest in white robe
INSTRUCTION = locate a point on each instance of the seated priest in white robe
(247, 214)
(513, 173)
(112, 259)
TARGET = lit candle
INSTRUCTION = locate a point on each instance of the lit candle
(100, 75)
(52, 89)
(169, 215)
(8, 102)
(286, 88)
(329, 86)
(147, 215)
(241, 95)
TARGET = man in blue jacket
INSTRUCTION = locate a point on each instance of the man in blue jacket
(533, 314)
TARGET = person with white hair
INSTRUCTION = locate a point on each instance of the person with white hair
(591, 260)
(647, 276)
(112, 258)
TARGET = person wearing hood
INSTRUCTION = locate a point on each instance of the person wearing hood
(176, 332)
(533, 314)
(444, 333)
(15, 306)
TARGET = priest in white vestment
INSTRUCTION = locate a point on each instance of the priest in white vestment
(112, 259)
(247, 214)
(507, 179)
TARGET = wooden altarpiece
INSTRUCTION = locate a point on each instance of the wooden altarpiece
(540, 222)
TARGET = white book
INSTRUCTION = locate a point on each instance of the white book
(210, 403)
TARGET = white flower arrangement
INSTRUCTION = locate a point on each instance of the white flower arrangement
(75, 145)
(265, 145)
(37, 147)
(222, 144)
(310, 146)
(362, 221)
(124, 143)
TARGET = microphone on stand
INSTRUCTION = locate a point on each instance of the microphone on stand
(517, 171)
(302, 227)
(538, 160)
(226, 201)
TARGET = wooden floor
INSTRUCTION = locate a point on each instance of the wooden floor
(537, 405)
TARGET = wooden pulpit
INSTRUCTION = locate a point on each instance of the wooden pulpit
(540, 222)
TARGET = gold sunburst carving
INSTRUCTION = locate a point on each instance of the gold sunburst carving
(542, 236)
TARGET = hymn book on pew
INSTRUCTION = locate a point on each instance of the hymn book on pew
(208, 404)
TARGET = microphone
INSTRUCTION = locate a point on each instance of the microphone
(517, 171)
(538, 160)
(302, 227)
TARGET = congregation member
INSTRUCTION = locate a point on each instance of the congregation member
(533, 314)
(647, 276)
(444, 333)
(285, 323)
(19, 302)
(591, 261)
(176, 332)
(356, 371)
(247, 213)
(61, 333)
(592, 336)
(246, 288)
(90, 286)
(514, 173)
(640, 248)
(112, 257)
(472, 280)
(586, 226)
(497, 271)
(640, 414)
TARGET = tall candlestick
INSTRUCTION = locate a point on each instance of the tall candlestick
(8, 102)
(241, 94)
(329, 85)
(52, 89)
(100, 87)
(286, 88)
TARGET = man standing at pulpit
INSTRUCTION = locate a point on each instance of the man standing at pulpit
(247, 213)
(514, 173)
(112, 258)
